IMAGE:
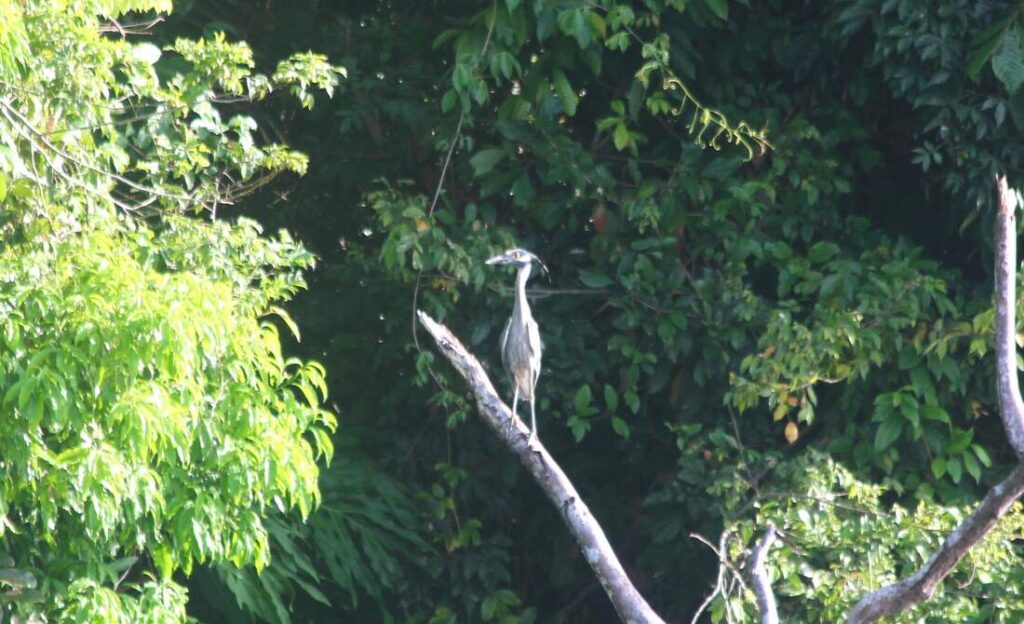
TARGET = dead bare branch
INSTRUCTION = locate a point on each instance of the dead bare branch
(1011, 408)
(629, 604)
(759, 577)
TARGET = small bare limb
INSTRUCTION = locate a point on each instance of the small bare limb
(759, 577)
(920, 585)
(729, 579)
(141, 28)
(629, 604)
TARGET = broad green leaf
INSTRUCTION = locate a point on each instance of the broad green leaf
(621, 427)
(594, 279)
(1008, 62)
(485, 160)
(719, 8)
(887, 433)
(582, 398)
(971, 465)
(611, 398)
(955, 469)
(621, 137)
(822, 251)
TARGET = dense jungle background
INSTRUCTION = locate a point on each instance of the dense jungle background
(768, 229)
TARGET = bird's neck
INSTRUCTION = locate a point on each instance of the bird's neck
(522, 308)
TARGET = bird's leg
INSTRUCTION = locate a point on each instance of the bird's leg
(533, 417)
(515, 401)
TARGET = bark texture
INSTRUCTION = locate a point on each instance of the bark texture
(629, 604)
(759, 578)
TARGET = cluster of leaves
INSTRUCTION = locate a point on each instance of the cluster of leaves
(830, 506)
(151, 415)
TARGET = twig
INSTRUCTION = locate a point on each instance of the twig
(727, 579)
(141, 28)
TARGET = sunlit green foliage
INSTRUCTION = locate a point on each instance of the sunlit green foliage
(151, 417)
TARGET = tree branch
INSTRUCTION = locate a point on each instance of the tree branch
(628, 602)
(1011, 408)
(759, 578)
(921, 585)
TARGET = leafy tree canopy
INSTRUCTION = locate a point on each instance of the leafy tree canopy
(151, 416)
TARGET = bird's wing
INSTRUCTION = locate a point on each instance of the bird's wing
(534, 334)
(504, 341)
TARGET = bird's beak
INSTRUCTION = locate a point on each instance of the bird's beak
(500, 259)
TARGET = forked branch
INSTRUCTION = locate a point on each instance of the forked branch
(920, 585)
(628, 603)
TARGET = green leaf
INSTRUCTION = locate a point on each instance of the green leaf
(485, 160)
(921, 380)
(578, 426)
(287, 320)
(955, 469)
(936, 413)
(593, 279)
(887, 433)
(719, 8)
(959, 441)
(448, 100)
(611, 398)
(938, 467)
(982, 455)
(582, 398)
(1008, 63)
(972, 466)
(985, 44)
(632, 400)
(620, 427)
(565, 92)
(621, 137)
(822, 251)
(488, 607)
(722, 167)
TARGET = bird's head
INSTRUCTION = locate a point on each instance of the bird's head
(517, 257)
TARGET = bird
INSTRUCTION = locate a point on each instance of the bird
(520, 340)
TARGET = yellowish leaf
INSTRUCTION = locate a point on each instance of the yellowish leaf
(792, 432)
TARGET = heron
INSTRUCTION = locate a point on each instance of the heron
(520, 340)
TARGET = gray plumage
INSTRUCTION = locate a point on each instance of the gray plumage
(520, 340)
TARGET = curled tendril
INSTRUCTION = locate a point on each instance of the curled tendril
(704, 117)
